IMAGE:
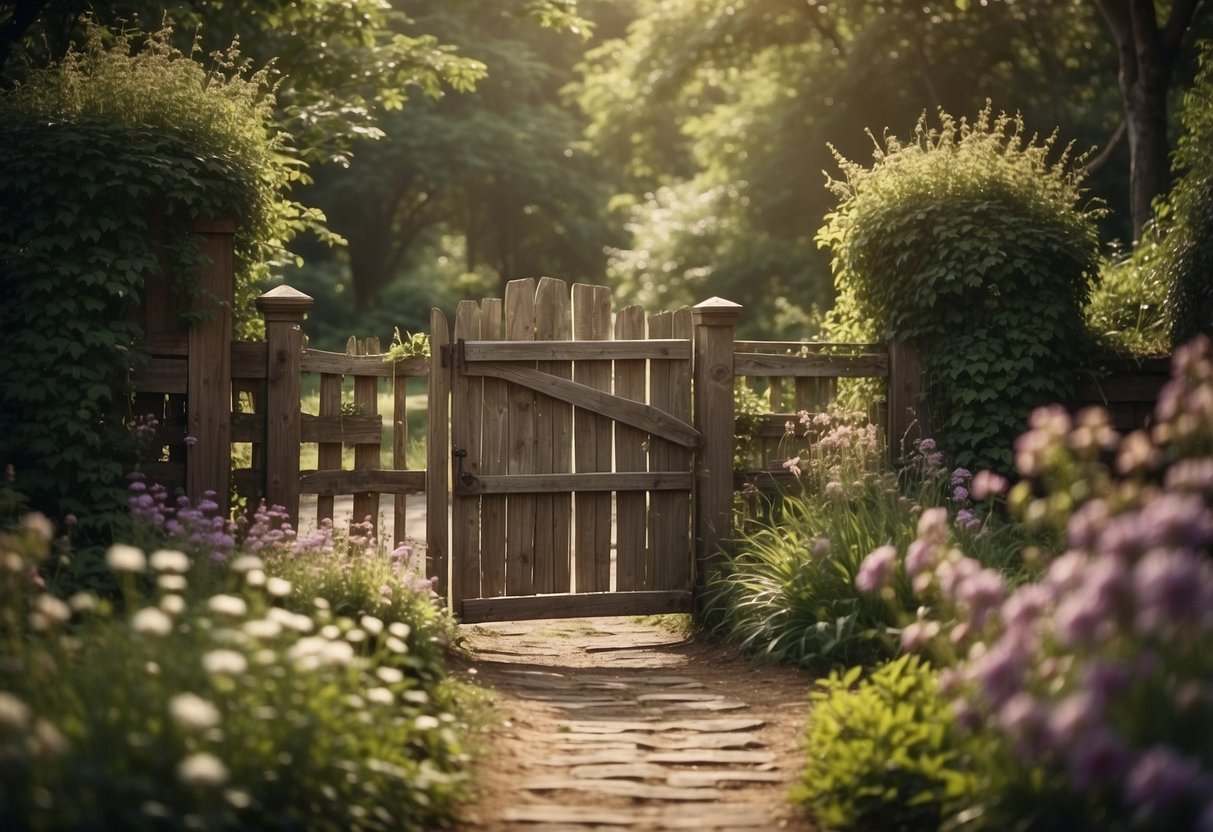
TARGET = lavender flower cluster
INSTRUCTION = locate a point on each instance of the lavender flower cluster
(195, 528)
(1099, 670)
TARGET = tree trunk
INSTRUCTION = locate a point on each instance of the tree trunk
(1149, 150)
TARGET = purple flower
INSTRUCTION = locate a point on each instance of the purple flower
(988, 484)
(876, 569)
(1097, 758)
(1160, 778)
(960, 494)
(190, 441)
(960, 476)
(1072, 717)
(1172, 587)
(1023, 719)
(916, 635)
(933, 525)
(920, 557)
(967, 520)
(1000, 670)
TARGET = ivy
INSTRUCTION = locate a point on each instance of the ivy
(105, 161)
(971, 243)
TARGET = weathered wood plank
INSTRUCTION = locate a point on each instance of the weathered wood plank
(592, 439)
(578, 350)
(163, 375)
(494, 455)
(366, 454)
(400, 442)
(554, 430)
(283, 308)
(591, 482)
(677, 560)
(465, 442)
(209, 379)
(518, 608)
(631, 509)
(328, 483)
(437, 452)
(520, 534)
(338, 428)
(632, 413)
(328, 454)
(810, 366)
(362, 364)
(248, 360)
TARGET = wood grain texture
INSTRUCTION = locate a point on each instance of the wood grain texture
(592, 444)
(328, 453)
(366, 454)
(631, 509)
(494, 455)
(465, 450)
(554, 432)
(520, 534)
(437, 452)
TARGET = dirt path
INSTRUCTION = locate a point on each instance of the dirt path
(609, 723)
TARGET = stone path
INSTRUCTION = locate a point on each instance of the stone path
(621, 725)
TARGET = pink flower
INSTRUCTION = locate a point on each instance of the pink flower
(876, 569)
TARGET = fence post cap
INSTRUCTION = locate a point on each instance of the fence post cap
(284, 300)
(716, 312)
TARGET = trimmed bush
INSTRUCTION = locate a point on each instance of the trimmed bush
(971, 243)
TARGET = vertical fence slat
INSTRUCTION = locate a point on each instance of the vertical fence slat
(630, 507)
(328, 454)
(209, 419)
(400, 451)
(367, 455)
(592, 452)
(678, 561)
(520, 533)
(553, 426)
(493, 456)
(465, 437)
(437, 452)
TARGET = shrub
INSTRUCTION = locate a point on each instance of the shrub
(1188, 245)
(219, 709)
(969, 243)
(105, 159)
(1127, 308)
(884, 753)
(1095, 679)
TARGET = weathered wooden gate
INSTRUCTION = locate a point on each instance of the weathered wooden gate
(571, 455)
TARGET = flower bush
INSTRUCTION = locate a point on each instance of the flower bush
(225, 697)
(1091, 685)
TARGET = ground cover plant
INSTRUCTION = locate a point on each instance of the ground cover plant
(1083, 694)
(243, 678)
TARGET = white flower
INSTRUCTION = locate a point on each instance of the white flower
(192, 712)
(321, 603)
(47, 740)
(355, 636)
(371, 624)
(172, 604)
(255, 577)
(14, 713)
(224, 662)
(38, 523)
(293, 620)
(389, 675)
(380, 696)
(202, 769)
(172, 583)
(396, 645)
(170, 560)
(83, 602)
(123, 558)
(264, 628)
(228, 605)
(278, 587)
(49, 612)
(246, 563)
(151, 621)
(425, 722)
(399, 629)
(330, 631)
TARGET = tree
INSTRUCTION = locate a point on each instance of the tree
(1147, 50)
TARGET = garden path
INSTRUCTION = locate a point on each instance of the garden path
(620, 724)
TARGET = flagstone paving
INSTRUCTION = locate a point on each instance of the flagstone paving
(616, 724)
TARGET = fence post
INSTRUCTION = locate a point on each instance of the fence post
(209, 385)
(715, 323)
(906, 408)
(283, 309)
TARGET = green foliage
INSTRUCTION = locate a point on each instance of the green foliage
(971, 243)
(1127, 307)
(217, 709)
(410, 345)
(1188, 244)
(748, 411)
(105, 159)
(884, 753)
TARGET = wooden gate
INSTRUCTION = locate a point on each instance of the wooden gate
(571, 454)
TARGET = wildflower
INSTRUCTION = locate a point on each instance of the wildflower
(83, 602)
(37, 524)
(960, 494)
(278, 587)
(1171, 587)
(263, 628)
(123, 558)
(399, 629)
(224, 663)
(371, 624)
(380, 696)
(151, 621)
(876, 569)
(15, 715)
(190, 441)
(202, 769)
(792, 466)
(425, 722)
(170, 560)
(1098, 757)
(70, 520)
(47, 740)
(1161, 778)
(916, 635)
(229, 605)
(389, 675)
(988, 484)
(49, 612)
(967, 520)
(247, 563)
(192, 712)
(172, 604)
(172, 583)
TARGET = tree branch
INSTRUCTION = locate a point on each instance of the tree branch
(1104, 155)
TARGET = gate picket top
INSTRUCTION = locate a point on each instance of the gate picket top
(571, 454)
